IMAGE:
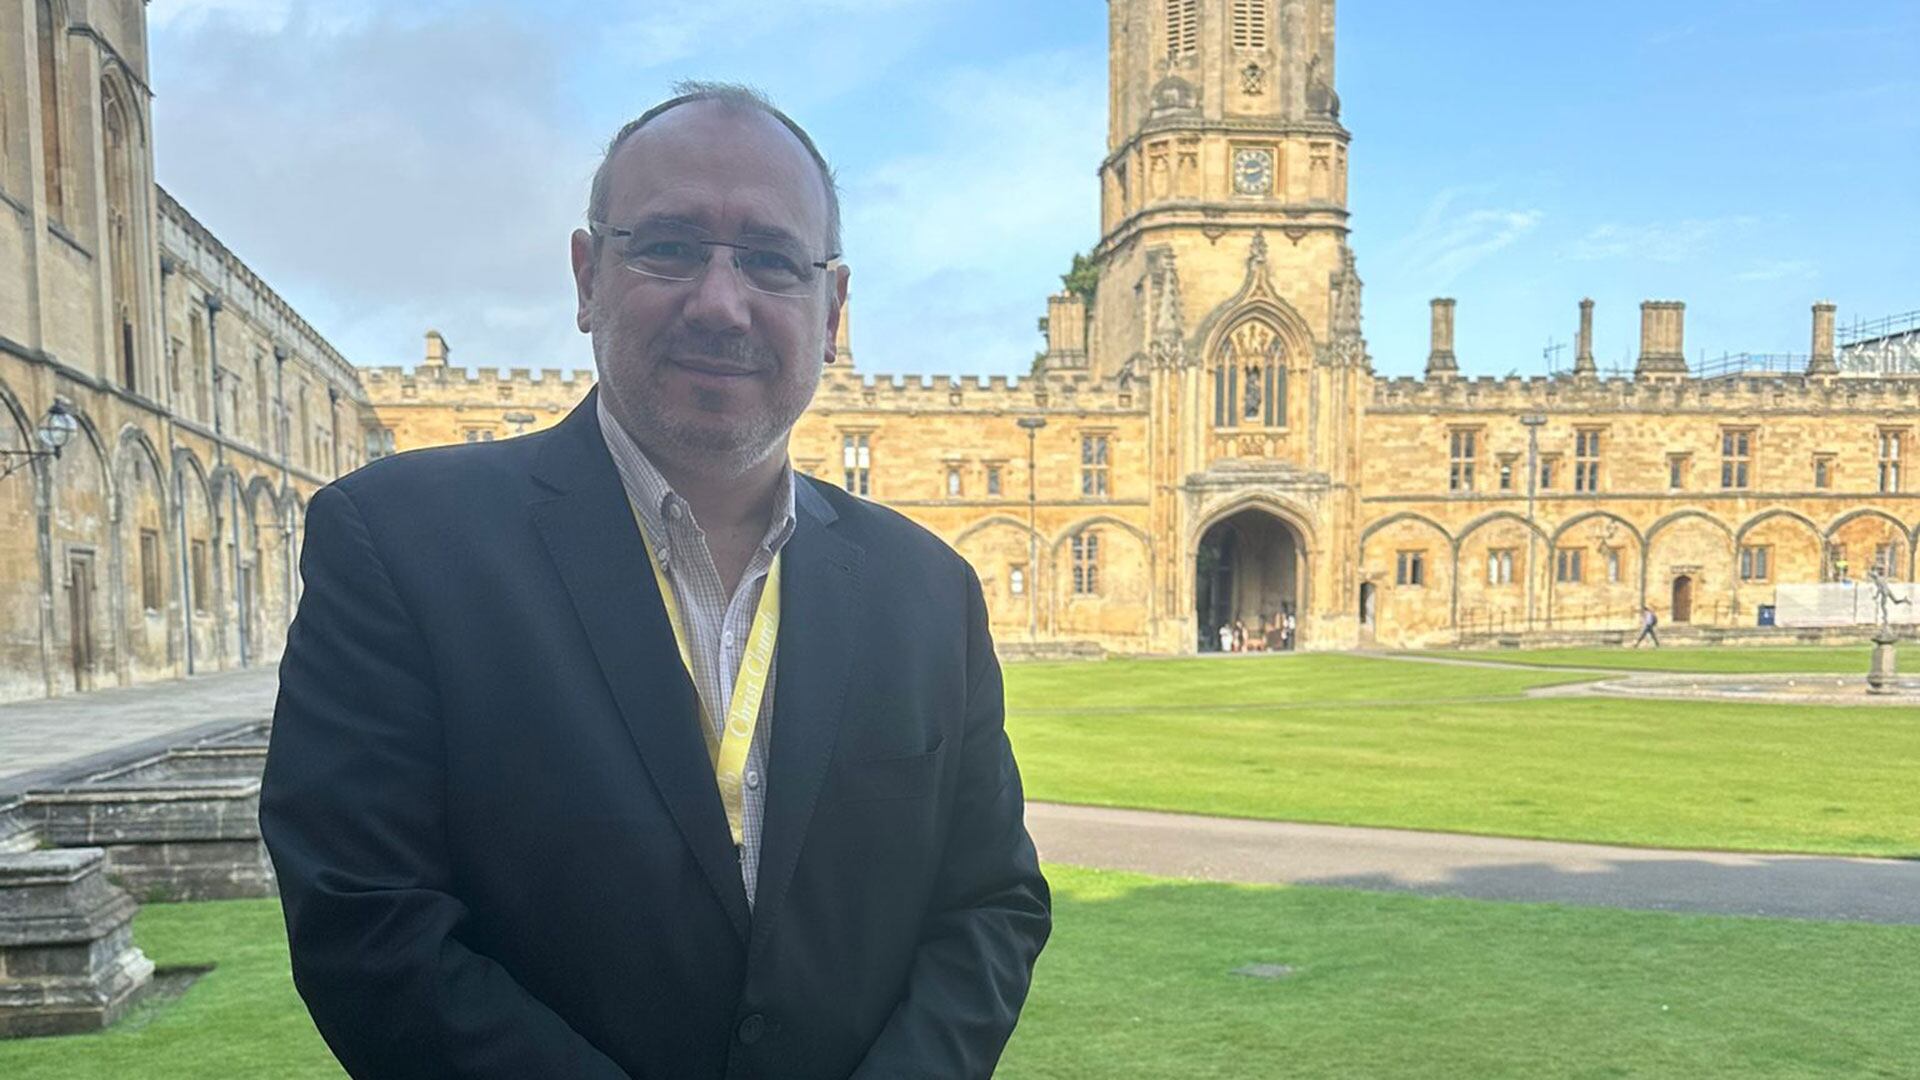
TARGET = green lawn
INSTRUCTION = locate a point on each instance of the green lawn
(1349, 740)
(241, 1020)
(1841, 659)
(1136, 983)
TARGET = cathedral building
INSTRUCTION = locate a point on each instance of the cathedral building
(1204, 443)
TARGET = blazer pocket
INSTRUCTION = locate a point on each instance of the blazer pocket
(909, 777)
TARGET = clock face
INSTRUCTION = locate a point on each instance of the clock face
(1253, 172)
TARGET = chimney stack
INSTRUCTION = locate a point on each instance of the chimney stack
(1822, 361)
(1663, 350)
(437, 349)
(1583, 364)
(1441, 363)
(1066, 331)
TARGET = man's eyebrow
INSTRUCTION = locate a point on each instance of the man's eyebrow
(669, 221)
(768, 232)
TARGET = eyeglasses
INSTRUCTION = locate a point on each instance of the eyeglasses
(669, 253)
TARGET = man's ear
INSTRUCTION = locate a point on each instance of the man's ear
(836, 310)
(582, 251)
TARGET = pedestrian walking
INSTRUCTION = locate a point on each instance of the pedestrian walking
(1648, 620)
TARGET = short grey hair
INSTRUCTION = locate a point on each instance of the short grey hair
(736, 97)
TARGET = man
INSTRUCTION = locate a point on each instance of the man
(620, 750)
(1648, 620)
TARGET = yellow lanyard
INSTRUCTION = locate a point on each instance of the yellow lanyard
(728, 753)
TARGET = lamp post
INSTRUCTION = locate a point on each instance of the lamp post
(55, 429)
(1533, 422)
(1032, 425)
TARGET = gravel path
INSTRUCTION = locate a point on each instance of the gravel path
(1479, 867)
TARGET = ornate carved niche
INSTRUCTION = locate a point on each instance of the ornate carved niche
(1250, 379)
(1187, 169)
(1159, 172)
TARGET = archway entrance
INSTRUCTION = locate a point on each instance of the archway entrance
(1248, 576)
(1683, 599)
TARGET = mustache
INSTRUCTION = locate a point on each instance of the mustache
(731, 349)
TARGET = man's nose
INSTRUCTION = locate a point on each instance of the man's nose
(720, 298)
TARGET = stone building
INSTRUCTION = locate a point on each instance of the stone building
(1204, 441)
(1217, 447)
(202, 410)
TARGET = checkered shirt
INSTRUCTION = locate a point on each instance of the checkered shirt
(717, 624)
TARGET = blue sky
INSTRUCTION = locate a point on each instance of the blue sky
(392, 167)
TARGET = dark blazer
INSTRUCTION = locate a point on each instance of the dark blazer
(498, 838)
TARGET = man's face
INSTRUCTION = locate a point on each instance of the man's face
(710, 374)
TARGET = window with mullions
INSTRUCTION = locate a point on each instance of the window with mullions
(1086, 564)
(857, 460)
(1586, 460)
(1890, 444)
(1462, 456)
(1500, 566)
(1410, 569)
(1250, 379)
(1569, 565)
(1736, 458)
(1756, 562)
(1094, 475)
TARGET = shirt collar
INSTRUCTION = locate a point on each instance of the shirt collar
(655, 500)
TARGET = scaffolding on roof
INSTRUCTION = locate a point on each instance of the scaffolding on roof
(1889, 346)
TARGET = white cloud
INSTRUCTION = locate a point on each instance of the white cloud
(1449, 240)
(941, 238)
(1661, 242)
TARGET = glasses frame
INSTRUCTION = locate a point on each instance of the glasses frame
(601, 228)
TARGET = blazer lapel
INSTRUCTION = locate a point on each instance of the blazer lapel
(589, 531)
(822, 603)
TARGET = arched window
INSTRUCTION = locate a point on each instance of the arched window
(1183, 28)
(1250, 379)
(120, 135)
(52, 35)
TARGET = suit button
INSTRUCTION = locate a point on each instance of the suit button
(752, 1028)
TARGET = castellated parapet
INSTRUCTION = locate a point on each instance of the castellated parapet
(1737, 394)
(1078, 392)
(443, 385)
(436, 403)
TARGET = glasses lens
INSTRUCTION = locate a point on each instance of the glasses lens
(673, 258)
(772, 271)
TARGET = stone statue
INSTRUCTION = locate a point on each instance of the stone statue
(1881, 669)
(1253, 391)
(1883, 596)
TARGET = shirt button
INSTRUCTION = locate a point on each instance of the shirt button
(753, 780)
(727, 639)
(752, 1028)
(674, 511)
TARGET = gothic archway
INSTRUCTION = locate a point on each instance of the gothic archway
(1249, 571)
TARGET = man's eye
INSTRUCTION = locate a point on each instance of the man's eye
(665, 249)
(771, 261)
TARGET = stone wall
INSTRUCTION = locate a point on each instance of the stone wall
(1670, 505)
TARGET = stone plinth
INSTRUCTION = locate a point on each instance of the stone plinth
(1882, 676)
(67, 961)
(166, 839)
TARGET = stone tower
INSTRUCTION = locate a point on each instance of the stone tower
(1226, 280)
